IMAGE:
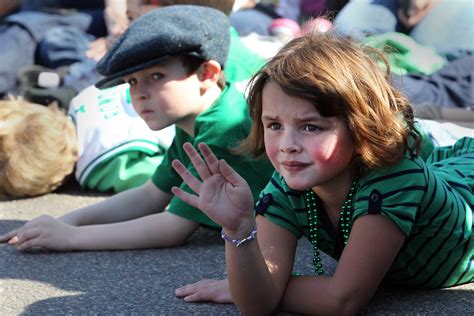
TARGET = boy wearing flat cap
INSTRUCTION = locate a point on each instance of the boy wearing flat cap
(242, 63)
(173, 59)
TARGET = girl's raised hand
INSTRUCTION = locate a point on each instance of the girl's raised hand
(221, 193)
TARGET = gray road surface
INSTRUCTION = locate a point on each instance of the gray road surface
(142, 282)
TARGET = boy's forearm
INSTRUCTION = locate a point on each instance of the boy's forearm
(119, 207)
(117, 236)
(124, 206)
(153, 231)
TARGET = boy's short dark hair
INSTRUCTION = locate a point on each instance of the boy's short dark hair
(192, 63)
(197, 31)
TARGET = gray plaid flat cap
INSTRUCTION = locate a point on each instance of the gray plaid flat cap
(175, 30)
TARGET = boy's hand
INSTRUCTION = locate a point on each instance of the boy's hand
(222, 194)
(216, 291)
(44, 231)
(10, 237)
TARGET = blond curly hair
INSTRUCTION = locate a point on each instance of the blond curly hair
(38, 148)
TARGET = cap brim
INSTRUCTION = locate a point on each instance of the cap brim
(117, 78)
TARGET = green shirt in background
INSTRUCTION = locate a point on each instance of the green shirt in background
(221, 127)
(242, 63)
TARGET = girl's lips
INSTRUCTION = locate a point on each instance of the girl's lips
(294, 166)
(293, 163)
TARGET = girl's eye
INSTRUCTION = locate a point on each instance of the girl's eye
(274, 126)
(156, 76)
(311, 128)
(132, 81)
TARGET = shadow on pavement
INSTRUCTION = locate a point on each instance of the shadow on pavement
(111, 282)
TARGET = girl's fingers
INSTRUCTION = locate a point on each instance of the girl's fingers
(192, 288)
(230, 174)
(198, 297)
(198, 163)
(187, 176)
(186, 197)
(205, 291)
(211, 159)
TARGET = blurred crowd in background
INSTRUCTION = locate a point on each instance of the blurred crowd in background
(63, 39)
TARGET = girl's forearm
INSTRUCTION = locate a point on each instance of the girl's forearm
(322, 297)
(250, 282)
(258, 271)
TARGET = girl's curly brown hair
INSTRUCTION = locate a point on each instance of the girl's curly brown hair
(340, 78)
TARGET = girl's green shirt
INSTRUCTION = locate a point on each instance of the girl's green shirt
(430, 201)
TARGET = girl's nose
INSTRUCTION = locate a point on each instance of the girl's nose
(289, 143)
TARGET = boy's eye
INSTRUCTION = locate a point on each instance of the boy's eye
(156, 76)
(311, 128)
(132, 81)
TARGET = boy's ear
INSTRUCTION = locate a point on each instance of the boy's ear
(209, 72)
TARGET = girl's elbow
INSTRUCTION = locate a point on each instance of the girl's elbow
(257, 307)
(347, 308)
(255, 310)
(349, 304)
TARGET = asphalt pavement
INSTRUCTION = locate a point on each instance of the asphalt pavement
(142, 282)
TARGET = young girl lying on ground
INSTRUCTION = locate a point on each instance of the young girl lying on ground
(352, 176)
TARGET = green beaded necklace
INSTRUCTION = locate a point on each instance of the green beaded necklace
(344, 221)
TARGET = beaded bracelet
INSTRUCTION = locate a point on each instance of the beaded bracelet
(239, 242)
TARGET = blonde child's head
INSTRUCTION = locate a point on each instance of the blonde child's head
(341, 79)
(38, 148)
